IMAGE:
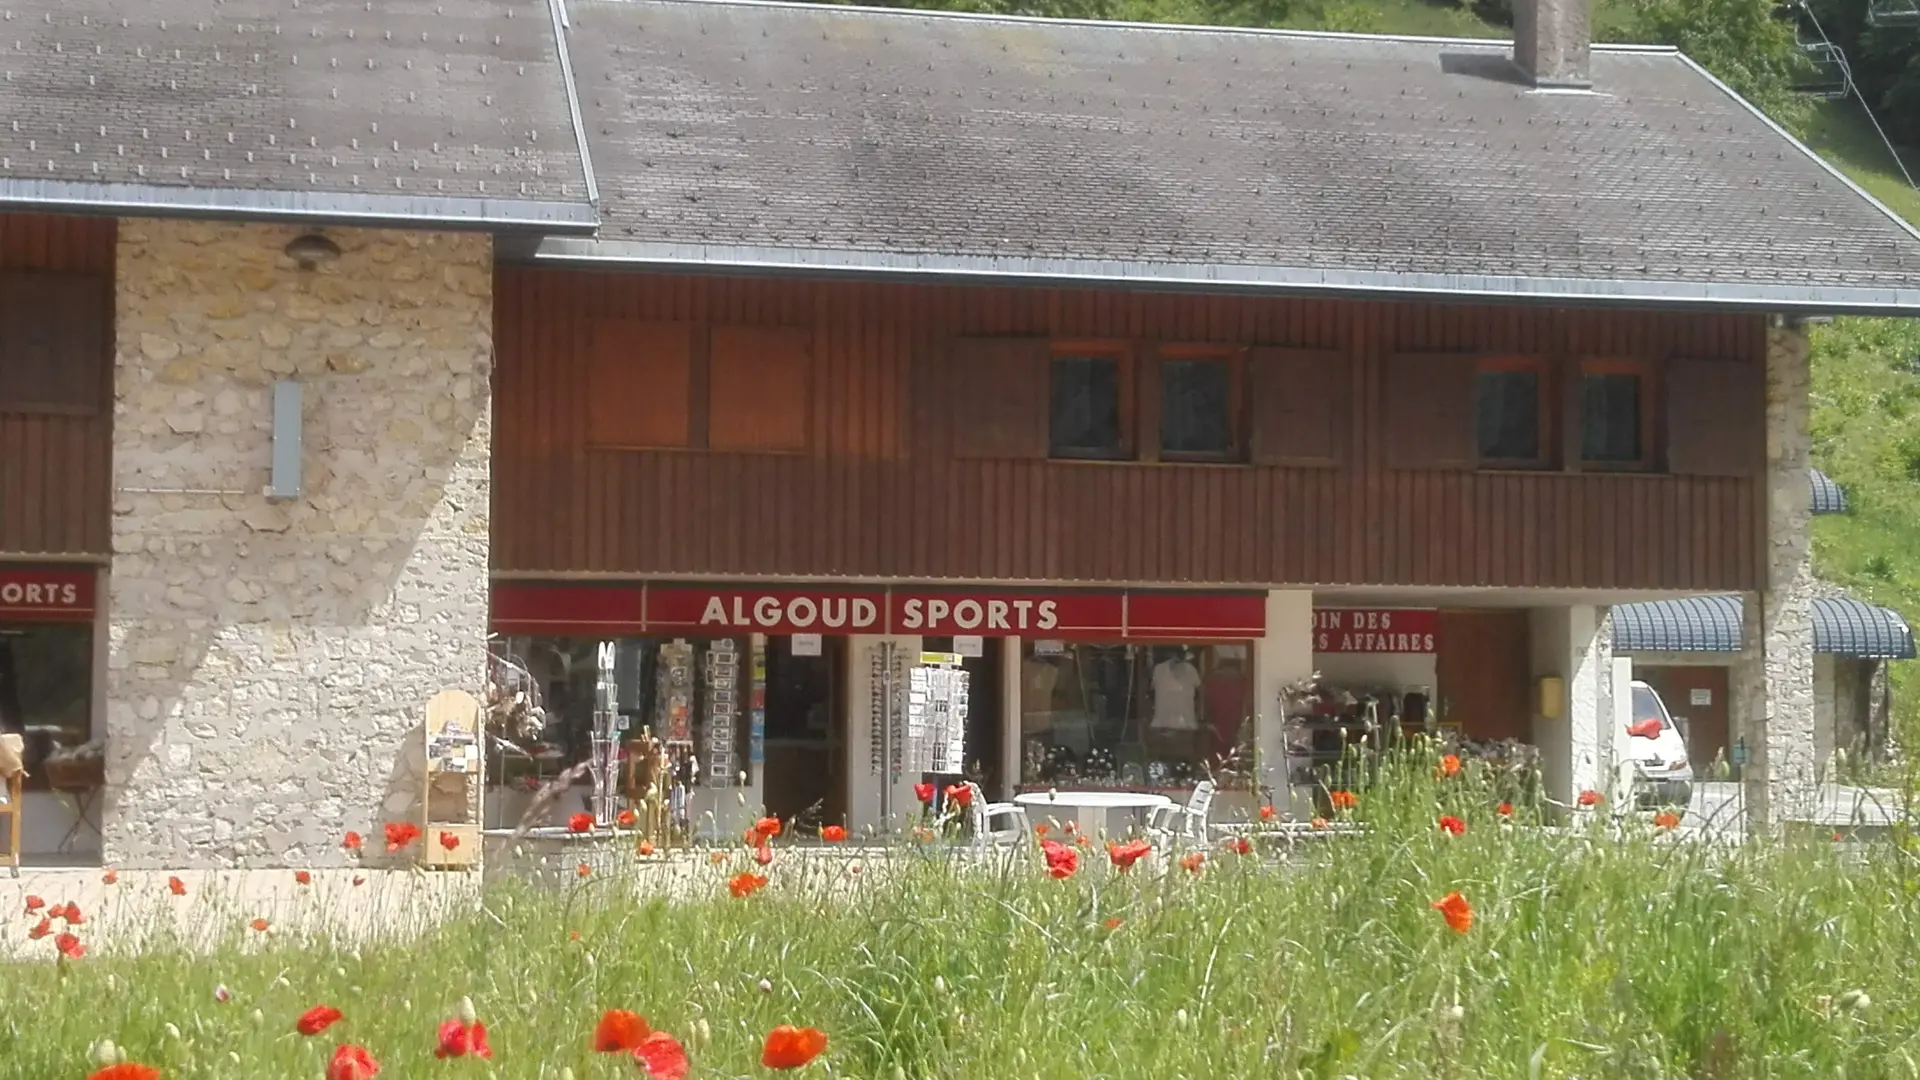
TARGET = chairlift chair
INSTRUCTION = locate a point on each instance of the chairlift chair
(1893, 13)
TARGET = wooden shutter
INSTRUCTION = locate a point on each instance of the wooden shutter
(1716, 417)
(640, 392)
(1430, 411)
(997, 389)
(53, 342)
(760, 389)
(1299, 407)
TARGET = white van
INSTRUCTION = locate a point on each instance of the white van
(1657, 752)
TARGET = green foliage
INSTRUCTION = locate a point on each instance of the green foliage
(1885, 63)
(1740, 41)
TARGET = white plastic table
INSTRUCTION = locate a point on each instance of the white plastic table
(1089, 808)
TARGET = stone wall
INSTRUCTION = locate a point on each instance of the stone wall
(267, 658)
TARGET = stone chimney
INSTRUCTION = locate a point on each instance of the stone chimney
(1551, 42)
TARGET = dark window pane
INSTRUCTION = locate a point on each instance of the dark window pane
(1610, 418)
(1086, 407)
(46, 689)
(1509, 420)
(1196, 407)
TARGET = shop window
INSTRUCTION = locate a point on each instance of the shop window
(1090, 404)
(46, 694)
(1614, 417)
(1511, 414)
(663, 385)
(53, 329)
(1134, 716)
(1199, 406)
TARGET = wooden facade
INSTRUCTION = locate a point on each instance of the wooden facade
(889, 476)
(56, 369)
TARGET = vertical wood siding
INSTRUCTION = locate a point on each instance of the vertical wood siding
(861, 504)
(56, 469)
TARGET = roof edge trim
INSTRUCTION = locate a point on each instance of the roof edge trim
(153, 200)
(557, 8)
(1209, 276)
(1794, 140)
(1257, 31)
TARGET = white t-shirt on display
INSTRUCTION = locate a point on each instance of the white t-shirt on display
(1175, 686)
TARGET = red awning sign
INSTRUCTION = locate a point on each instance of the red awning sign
(1374, 630)
(46, 595)
(675, 610)
(1063, 614)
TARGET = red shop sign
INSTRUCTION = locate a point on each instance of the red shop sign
(586, 609)
(46, 595)
(796, 610)
(938, 612)
(1196, 616)
(1374, 630)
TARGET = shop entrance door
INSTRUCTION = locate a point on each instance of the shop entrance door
(1697, 698)
(806, 727)
(984, 737)
(1484, 670)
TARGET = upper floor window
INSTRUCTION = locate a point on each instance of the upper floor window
(1614, 418)
(1090, 403)
(1199, 405)
(668, 385)
(53, 333)
(1510, 413)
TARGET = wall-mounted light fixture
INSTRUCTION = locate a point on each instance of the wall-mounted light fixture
(312, 249)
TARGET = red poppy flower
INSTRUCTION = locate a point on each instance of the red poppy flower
(1450, 765)
(763, 830)
(34, 903)
(1125, 855)
(1240, 845)
(646, 847)
(1040, 830)
(1591, 798)
(1319, 823)
(662, 1056)
(583, 870)
(1505, 809)
(127, 1070)
(1452, 825)
(746, 883)
(351, 842)
(1192, 861)
(260, 925)
(1062, 860)
(763, 854)
(626, 819)
(302, 877)
(1082, 841)
(400, 834)
(791, 1047)
(580, 822)
(1113, 922)
(111, 877)
(1267, 812)
(1667, 819)
(70, 913)
(620, 1031)
(1454, 908)
(352, 1063)
(176, 886)
(449, 841)
(69, 946)
(459, 1040)
(1343, 800)
(41, 929)
(923, 792)
(960, 795)
(317, 1019)
(833, 834)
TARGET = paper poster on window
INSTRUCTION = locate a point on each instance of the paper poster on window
(807, 645)
(1700, 695)
(969, 645)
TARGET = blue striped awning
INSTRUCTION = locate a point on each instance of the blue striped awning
(1842, 626)
(1828, 497)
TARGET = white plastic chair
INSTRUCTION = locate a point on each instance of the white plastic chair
(981, 814)
(1189, 822)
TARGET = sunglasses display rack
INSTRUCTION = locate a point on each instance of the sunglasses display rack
(674, 686)
(723, 711)
(757, 700)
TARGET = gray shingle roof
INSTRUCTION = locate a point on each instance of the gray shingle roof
(1828, 497)
(395, 109)
(1842, 626)
(739, 133)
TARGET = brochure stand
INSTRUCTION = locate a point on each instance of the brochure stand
(450, 803)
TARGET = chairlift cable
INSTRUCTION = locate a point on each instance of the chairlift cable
(1898, 161)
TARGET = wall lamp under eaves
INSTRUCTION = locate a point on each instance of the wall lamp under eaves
(312, 249)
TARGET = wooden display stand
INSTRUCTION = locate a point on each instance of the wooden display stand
(450, 796)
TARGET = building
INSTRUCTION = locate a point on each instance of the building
(1143, 370)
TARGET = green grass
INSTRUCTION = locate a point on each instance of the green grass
(1589, 956)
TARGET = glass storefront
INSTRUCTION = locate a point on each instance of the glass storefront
(1135, 715)
(46, 694)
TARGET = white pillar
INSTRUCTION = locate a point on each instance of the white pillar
(1573, 645)
(863, 785)
(1011, 732)
(1282, 656)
